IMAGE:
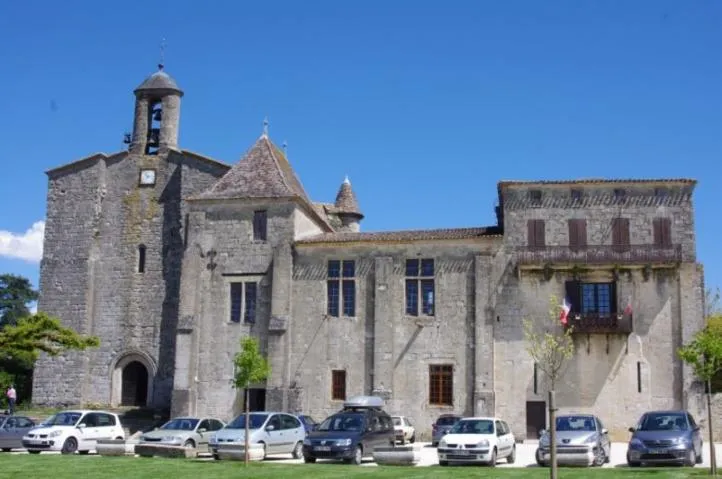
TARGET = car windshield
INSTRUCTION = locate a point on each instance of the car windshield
(446, 421)
(575, 423)
(307, 419)
(397, 421)
(664, 422)
(343, 422)
(255, 422)
(63, 419)
(473, 426)
(181, 424)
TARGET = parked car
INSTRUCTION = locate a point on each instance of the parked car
(190, 432)
(280, 433)
(352, 433)
(442, 426)
(12, 430)
(71, 431)
(581, 440)
(482, 440)
(403, 429)
(308, 422)
(663, 437)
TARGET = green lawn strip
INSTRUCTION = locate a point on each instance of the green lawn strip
(67, 467)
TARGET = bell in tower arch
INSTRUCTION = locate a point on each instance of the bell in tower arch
(158, 114)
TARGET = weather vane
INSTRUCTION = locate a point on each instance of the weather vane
(162, 53)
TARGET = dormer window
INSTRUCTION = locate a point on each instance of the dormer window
(535, 197)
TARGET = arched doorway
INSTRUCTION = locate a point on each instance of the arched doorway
(134, 389)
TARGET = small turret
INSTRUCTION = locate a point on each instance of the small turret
(347, 208)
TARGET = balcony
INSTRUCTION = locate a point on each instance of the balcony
(599, 254)
(595, 323)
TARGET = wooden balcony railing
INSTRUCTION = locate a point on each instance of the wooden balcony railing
(595, 323)
(599, 254)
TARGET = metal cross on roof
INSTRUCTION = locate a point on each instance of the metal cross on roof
(265, 126)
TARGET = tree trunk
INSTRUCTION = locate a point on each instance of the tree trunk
(552, 435)
(246, 452)
(712, 452)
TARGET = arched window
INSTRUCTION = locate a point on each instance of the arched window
(141, 258)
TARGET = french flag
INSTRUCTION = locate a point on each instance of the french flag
(566, 307)
(628, 309)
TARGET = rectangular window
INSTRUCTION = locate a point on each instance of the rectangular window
(594, 299)
(341, 288)
(441, 384)
(536, 378)
(338, 385)
(639, 376)
(141, 258)
(535, 198)
(249, 310)
(236, 302)
(620, 195)
(260, 225)
(620, 234)
(420, 287)
(244, 298)
(576, 195)
(535, 233)
(577, 234)
(662, 232)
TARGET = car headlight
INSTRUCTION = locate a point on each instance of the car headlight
(635, 443)
(55, 433)
(483, 443)
(442, 443)
(343, 442)
(591, 440)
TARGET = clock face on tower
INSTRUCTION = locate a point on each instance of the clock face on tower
(147, 177)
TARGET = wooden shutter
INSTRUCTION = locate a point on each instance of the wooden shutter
(662, 232)
(613, 298)
(620, 232)
(573, 295)
(573, 234)
(539, 235)
(530, 233)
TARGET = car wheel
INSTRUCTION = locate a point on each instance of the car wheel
(264, 450)
(216, 458)
(492, 461)
(691, 458)
(298, 450)
(413, 438)
(69, 446)
(358, 456)
(512, 455)
(538, 458)
(189, 444)
(699, 458)
(118, 438)
(34, 452)
(434, 444)
(83, 453)
(443, 463)
(309, 460)
(600, 458)
(631, 463)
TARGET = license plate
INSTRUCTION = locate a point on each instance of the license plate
(322, 448)
(461, 453)
(659, 451)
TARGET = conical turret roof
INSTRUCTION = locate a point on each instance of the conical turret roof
(346, 200)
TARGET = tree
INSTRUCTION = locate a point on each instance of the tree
(704, 354)
(250, 367)
(15, 294)
(550, 345)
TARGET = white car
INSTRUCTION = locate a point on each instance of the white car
(403, 429)
(71, 431)
(482, 440)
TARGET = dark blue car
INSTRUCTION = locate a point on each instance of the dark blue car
(308, 422)
(665, 437)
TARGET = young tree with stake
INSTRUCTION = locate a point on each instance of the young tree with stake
(550, 344)
(250, 367)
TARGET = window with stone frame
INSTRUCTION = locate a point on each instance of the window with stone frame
(441, 384)
(338, 385)
(141, 258)
(260, 225)
(592, 299)
(662, 232)
(535, 233)
(243, 301)
(341, 288)
(420, 287)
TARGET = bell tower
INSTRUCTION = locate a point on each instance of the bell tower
(157, 114)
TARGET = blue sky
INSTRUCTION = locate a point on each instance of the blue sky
(425, 105)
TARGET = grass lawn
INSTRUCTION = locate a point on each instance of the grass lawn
(67, 467)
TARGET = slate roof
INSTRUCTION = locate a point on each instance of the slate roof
(406, 235)
(346, 199)
(159, 80)
(263, 172)
(597, 181)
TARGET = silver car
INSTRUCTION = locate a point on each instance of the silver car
(184, 431)
(279, 432)
(581, 440)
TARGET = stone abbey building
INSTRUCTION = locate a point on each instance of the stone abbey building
(170, 257)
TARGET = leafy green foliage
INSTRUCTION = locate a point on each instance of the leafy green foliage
(250, 365)
(41, 333)
(549, 343)
(15, 294)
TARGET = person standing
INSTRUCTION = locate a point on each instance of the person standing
(12, 398)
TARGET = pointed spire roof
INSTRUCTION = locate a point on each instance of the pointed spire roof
(346, 199)
(263, 172)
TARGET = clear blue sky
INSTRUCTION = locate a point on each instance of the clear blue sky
(425, 105)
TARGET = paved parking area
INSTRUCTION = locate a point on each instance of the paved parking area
(524, 456)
